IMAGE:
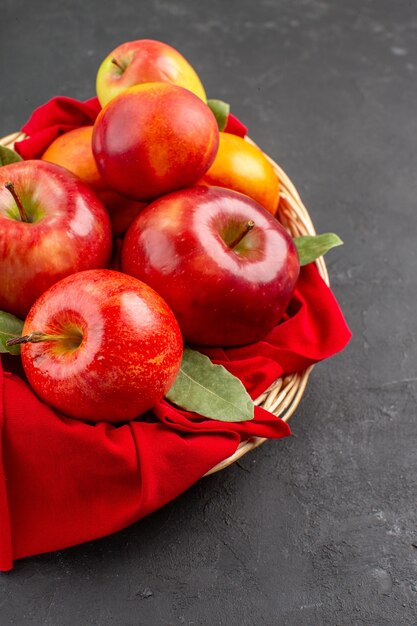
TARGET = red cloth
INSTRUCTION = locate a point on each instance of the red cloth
(63, 481)
(235, 126)
(52, 119)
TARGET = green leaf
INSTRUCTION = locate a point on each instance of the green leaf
(210, 390)
(10, 328)
(221, 112)
(8, 156)
(311, 247)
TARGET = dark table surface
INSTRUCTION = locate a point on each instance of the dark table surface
(319, 528)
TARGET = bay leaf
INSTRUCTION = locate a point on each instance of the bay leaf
(210, 390)
(10, 328)
(311, 247)
(221, 111)
(8, 156)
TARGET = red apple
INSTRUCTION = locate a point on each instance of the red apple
(224, 265)
(154, 138)
(51, 225)
(144, 61)
(101, 346)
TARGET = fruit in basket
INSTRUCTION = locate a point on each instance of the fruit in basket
(52, 225)
(153, 139)
(225, 266)
(101, 346)
(73, 151)
(144, 61)
(243, 167)
(122, 211)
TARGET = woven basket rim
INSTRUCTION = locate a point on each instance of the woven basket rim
(284, 395)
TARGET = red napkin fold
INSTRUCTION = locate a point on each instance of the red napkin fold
(63, 481)
(54, 118)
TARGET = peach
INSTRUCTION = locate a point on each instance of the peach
(242, 167)
(73, 151)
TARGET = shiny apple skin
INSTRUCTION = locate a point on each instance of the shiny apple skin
(153, 139)
(220, 296)
(73, 232)
(130, 350)
(145, 61)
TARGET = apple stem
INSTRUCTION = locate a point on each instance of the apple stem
(34, 337)
(118, 64)
(250, 225)
(22, 211)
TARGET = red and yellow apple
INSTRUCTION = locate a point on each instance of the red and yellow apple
(224, 265)
(51, 225)
(73, 150)
(153, 139)
(101, 346)
(144, 61)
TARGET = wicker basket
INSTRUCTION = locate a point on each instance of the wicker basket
(284, 395)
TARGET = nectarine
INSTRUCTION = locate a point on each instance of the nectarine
(243, 167)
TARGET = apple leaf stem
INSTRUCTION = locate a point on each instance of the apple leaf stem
(250, 225)
(22, 211)
(35, 337)
(119, 65)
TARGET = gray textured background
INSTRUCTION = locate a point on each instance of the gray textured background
(320, 528)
